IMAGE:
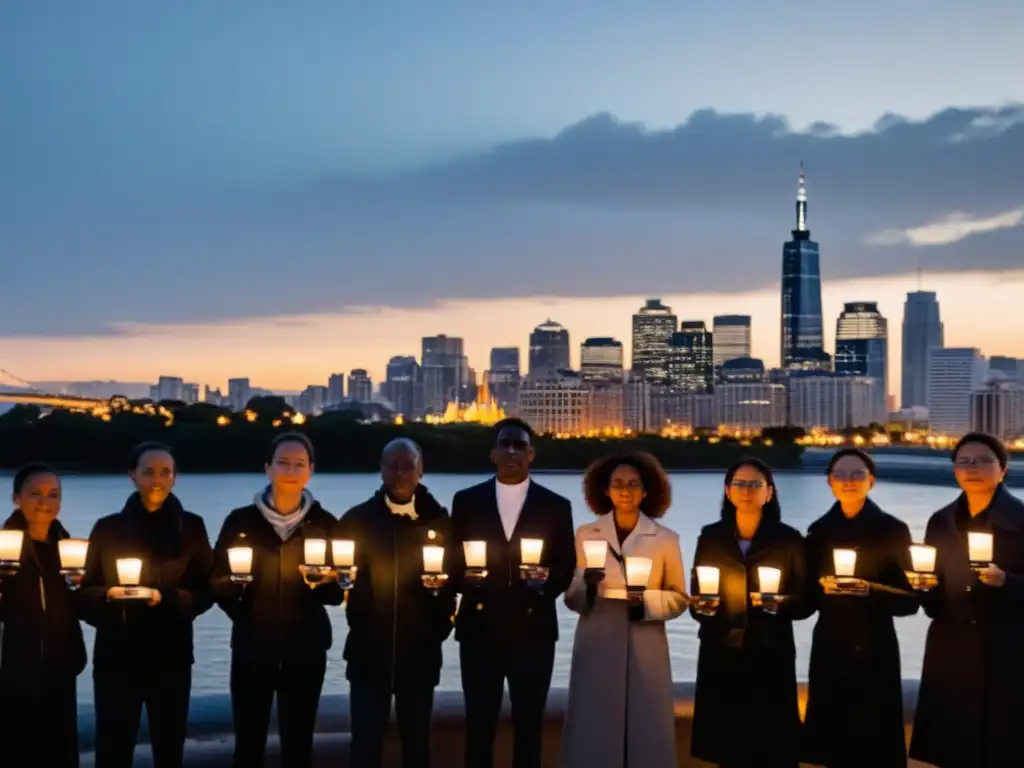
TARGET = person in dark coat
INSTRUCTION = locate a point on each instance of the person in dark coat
(854, 712)
(746, 713)
(396, 624)
(507, 627)
(41, 645)
(143, 653)
(280, 630)
(971, 702)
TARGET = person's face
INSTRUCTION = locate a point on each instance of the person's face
(154, 478)
(625, 488)
(850, 479)
(401, 472)
(748, 489)
(39, 498)
(977, 469)
(512, 454)
(290, 469)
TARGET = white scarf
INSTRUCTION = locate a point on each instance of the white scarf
(408, 509)
(284, 525)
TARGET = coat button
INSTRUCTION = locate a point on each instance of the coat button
(479, 606)
(968, 587)
(529, 610)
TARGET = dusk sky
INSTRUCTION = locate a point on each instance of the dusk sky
(256, 188)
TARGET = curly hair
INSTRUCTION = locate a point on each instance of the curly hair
(657, 488)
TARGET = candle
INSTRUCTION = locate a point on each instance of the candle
(531, 549)
(923, 558)
(129, 571)
(845, 561)
(10, 545)
(980, 546)
(707, 579)
(595, 552)
(343, 552)
(433, 559)
(316, 552)
(638, 571)
(476, 553)
(72, 553)
(769, 580)
(240, 559)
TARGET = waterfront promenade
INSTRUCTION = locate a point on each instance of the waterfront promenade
(210, 743)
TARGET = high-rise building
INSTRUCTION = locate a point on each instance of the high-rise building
(998, 409)
(830, 401)
(549, 350)
(360, 386)
(653, 326)
(560, 403)
(444, 371)
(505, 359)
(335, 388)
(862, 348)
(748, 407)
(401, 386)
(691, 366)
(503, 378)
(922, 332)
(601, 360)
(802, 346)
(732, 337)
(239, 394)
(953, 374)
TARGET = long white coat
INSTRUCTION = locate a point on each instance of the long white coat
(620, 686)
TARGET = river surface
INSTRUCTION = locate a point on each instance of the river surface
(697, 496)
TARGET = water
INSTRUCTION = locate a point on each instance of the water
(697, 498)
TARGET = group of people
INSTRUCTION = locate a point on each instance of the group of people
(620, 710)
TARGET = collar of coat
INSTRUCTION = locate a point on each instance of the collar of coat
(604, 528)
(1005, 510)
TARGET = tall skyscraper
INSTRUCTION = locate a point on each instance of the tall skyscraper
(549, 350)
(402, 385)
(601, 360)
(862, 348)
(444, 371)
(505, 359)
(953, 374)
(732, 337)
(691, 358)
(335, 388)
(653, 327)
(802, 337)
(503, 378)
(360, 386)
(922, 332)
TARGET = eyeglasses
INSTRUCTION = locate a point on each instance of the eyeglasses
(965, 462)
(508, 444)
(632, 486)
(857, 476)
(754, 485)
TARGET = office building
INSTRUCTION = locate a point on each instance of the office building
(360, 386)
(732, 337)
(402, 387)
(653, 326)
(922, 332)
(831, 402)
(444, 372)
(998, 408)
(691, 366)
(601, 360)
(953, 374)
(549, 350)
(862, 349)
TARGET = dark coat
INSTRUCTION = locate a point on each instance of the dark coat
(277, 618)
(855, 702)
(745, 707)
(504, 609)
(970, 709)
(396, 625)
(41, 641)
(177, 560)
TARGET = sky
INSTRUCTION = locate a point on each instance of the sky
(239, 188)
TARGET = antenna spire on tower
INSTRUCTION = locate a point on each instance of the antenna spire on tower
(801, 202)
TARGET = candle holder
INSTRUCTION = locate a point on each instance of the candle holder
(240, 561)
(434, 577)
(129, 574)
(72, 554)
(11, 542)
(844, 582)
(768, 598)
(343, 553)
(707, 601)
(476, 562)
(979, 548)
(922, 577)
(435, 582)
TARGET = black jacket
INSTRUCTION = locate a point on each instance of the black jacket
(504, 608)
(855, 702)
(396, 625)
(177, 560)
(277, 617)
(40, 637)
(746, 666)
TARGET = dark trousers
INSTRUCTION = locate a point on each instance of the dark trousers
(297, 686)
(485, 668)
(44, 723)
(370, 710)
(120, 694)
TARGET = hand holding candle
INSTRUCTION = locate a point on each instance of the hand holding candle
(343, 555)
(769, 580)
(10, 551)
(980, 546)
(922, 560)
(476, 561)
(129, 577)
(240, 562)
(129, 571)
(531, 550)
(72, 554)
(845, 580)
(433, 576)
(531, 571)
(708, 582)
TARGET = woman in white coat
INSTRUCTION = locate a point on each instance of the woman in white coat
(620, 712)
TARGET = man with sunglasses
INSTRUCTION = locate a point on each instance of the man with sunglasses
(506, 624)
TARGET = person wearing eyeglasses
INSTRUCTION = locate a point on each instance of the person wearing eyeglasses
(506, 624)
(745, 707)
(970, 705)
(855, 703)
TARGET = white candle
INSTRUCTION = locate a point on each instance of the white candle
(315, 551)
(923, 558)
(531, 549)
(10, 545)
(638, 571)
(433, 559)
(707, 579)
(343, 552)
(845, 561)
(240, 559)
(72, 553)
(769, 580)
(595, 552)
(980, 546)
(129, 571)
(476, 553)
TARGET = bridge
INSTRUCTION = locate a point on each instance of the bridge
(17, 391)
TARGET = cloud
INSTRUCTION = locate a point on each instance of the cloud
(951, 228)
